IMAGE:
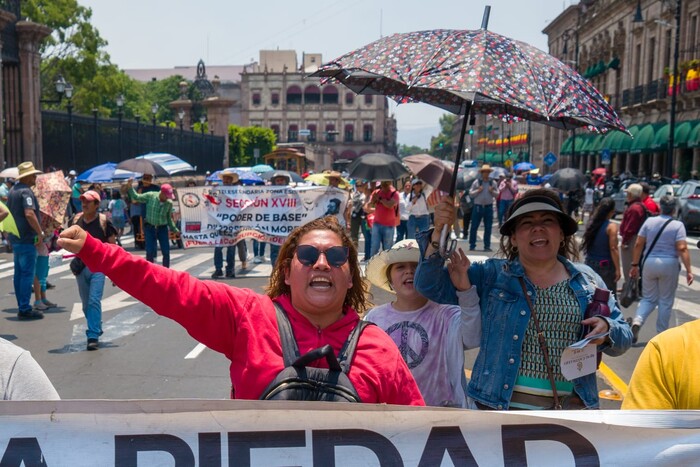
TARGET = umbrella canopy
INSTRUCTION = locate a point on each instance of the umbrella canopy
(497, 172)
(52, 193)
(377, 166)
(158, 164)
(293, 176)
(468, 71)
(466, 177)
(10, 172)
(245, 176)
(568, 179)
(105, 173)
(321, 179)
(489, 72)
(260, 168)
(523, 166)
(599, 171)
(8, 224)
(430, 169)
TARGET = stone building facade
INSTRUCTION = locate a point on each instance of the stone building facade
(626, 48)
(333, 122)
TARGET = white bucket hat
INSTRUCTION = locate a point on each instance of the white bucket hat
(405, 251)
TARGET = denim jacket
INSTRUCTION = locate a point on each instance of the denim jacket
(504, 318)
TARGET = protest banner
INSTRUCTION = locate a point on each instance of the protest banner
(225, 215)
(186, 433)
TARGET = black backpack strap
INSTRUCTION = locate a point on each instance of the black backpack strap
(322, 352)
(348, 350)
(290, 349)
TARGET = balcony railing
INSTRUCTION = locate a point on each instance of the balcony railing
(645, 93)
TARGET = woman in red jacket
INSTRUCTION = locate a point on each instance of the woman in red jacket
(316, 281)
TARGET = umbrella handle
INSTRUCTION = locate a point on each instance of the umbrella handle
(445, 250)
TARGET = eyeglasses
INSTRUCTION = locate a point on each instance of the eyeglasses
(336, 256)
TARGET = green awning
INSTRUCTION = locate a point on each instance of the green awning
(681, 135)
(577, 146)
(644, 139)
(694, 137)
(614, 63)
(595, 144)
(615, 140)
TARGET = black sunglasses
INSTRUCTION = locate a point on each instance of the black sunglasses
(336, 256)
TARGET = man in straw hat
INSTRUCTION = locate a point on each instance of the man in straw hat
(483, 191)
(25, 209)
(431, 337)
(229, 178)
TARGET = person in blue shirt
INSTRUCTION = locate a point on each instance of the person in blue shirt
(536, 278)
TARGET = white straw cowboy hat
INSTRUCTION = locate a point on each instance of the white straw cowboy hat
(402, 252)
(25, 169)
(485, 168)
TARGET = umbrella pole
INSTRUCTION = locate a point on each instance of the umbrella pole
(445, 250)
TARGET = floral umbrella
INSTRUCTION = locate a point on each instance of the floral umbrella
(53, 193)
(468, 71)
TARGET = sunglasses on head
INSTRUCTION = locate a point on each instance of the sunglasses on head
(336, 256)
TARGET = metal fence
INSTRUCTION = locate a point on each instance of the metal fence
(79, 142)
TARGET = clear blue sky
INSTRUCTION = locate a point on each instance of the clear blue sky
(168, 33)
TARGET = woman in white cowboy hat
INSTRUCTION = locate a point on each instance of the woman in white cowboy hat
(431, 337)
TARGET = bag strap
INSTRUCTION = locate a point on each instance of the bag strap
(347, 352)
(290, 349)
(651, 247)
(543, 345)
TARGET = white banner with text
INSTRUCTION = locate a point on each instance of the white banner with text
(224, 215)
(254, 433)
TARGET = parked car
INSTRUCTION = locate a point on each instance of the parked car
(620, 197)
(688, 204)
(664, 190)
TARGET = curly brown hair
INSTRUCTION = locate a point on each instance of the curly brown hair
(357, 296)
(569, 249)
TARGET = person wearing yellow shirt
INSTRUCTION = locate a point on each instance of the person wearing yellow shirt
(666, 376)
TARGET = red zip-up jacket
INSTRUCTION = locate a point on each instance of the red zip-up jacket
(632, 221)
(242, 325)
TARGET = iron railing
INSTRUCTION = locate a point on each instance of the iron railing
(94, 141)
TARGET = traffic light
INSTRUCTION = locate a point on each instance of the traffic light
(440, 145)
(471, 131)
(510, 153)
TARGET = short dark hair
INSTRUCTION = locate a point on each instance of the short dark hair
(645, 188)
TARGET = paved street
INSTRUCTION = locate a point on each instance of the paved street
(144, 356)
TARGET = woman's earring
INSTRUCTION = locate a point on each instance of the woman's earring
(562, 244)
(515, 250)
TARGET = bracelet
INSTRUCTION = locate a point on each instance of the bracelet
(435, 245)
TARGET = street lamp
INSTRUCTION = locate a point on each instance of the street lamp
(674, 91)
(181, 117)
(68, 92)
(60, 86)
(154, 111)
(120, 114)
(668, 168)
(565, 51)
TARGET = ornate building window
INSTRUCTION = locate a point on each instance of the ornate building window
(368, 99)
(349, 98)
(330, 95)
(312, 132)
(312, 95)
(294, 95)
(276, 130)
(256, 98)
(349, 133)
(367, 133)
(330, 132)
(275, 98)
(293, 134)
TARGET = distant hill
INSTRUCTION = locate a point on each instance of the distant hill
(417, 136)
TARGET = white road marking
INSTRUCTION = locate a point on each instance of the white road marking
(194, 353)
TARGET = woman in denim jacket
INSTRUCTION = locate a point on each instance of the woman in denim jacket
(537, 242)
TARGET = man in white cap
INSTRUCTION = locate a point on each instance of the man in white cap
(483, 192)
(158, 220)
(25, 209)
